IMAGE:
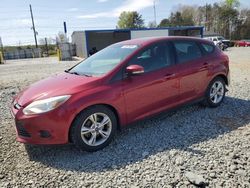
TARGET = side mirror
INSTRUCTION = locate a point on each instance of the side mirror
(134, 70)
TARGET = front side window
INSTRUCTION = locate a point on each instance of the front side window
(104, 61)
(154, 57)
(186, 51)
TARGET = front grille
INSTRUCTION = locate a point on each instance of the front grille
(21, 130)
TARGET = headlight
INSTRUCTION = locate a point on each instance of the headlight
(45, 105)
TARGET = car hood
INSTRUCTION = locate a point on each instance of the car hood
(62, 84)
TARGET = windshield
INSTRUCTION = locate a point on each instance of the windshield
(104, 61)
(221, 38)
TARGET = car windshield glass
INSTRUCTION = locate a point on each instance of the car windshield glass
(221, 38)
(103, 61)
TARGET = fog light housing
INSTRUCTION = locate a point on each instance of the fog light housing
(44, 134)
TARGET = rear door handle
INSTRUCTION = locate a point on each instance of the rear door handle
(169, 76)
(204, 66)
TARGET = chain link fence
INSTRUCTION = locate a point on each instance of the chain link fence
(23, 53)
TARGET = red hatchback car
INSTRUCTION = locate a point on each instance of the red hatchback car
(120, 84)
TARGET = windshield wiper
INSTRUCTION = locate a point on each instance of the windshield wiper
(87, 75)
(67, 71)
(76, 73)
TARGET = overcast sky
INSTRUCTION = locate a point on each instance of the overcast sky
(15, 21)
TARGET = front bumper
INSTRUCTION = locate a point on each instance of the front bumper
(47, 128)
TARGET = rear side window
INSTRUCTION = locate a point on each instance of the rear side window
(186, 51)
(208, 48)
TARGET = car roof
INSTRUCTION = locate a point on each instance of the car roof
(148, 40)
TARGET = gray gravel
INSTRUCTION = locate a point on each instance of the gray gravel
(194, 145)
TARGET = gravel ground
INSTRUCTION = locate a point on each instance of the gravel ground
(194, 145)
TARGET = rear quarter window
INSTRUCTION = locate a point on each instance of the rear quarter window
(208, 48)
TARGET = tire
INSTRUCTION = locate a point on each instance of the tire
(94, 128)
(210, 98)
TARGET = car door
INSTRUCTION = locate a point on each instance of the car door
(192, 69)
(157, 88)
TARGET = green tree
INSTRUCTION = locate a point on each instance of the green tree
(177, 19)
(242, 30)
(128, 20)
(232, 3)
(165, 23)
(229, 15)
(187, 14)
(218, 18)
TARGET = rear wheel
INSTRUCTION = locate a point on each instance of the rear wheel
(93, 128)
(215, 92)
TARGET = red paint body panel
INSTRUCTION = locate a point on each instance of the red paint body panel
(242, 43)
(150, 93)
(133, 98)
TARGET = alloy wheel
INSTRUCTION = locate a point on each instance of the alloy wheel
(217, 92)
(96, 129)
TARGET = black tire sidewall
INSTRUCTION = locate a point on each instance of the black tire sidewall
(75, 132)
(209, 102)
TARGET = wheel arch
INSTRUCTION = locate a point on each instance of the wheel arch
(113, 109)
(224, 77)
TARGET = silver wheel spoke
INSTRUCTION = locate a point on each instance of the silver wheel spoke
(93, 118)
(103, 133)
(212, 94)
(220, 93)
(219, 86)
(215, 98)
(85, 130)
(214, 87)
(105, 121)
(92, 140)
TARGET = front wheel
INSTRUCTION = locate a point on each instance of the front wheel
(215, 92)
(93, 128)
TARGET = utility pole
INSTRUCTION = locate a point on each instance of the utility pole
(65, 31)
(33, 25)
(206, 19)
(1, 51)
(155, 14)
(1, 45)
(46, 46)
(65, 28)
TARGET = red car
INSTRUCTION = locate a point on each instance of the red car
(242, 43)
(120, 84)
